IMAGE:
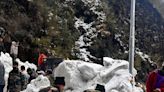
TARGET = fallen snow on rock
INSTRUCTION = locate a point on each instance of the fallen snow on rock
(80, 75)
(84, 40)
(89, 29)
(144, 57)
(37, 84)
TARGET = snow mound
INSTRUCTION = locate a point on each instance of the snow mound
(37, 84)
(7, 62)
(26, 64)
(79, 75)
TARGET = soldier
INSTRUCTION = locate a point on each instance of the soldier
(16, 80)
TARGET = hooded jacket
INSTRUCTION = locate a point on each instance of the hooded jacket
(151, 82)
(41, 59)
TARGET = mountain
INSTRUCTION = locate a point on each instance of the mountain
(83, 29)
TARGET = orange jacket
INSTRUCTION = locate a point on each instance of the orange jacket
(41, 59)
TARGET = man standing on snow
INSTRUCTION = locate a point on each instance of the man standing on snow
(16, 80)
(2, 74)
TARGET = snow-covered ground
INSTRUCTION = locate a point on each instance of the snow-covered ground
(80, 75)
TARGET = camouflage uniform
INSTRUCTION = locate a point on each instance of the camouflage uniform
(16, 81)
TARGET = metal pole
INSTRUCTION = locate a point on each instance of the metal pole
(132, 38)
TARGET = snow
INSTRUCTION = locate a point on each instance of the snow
(7, 61)
(79, 75)
(84, 40)
(144, 57)
(37, 84)
(90, 32)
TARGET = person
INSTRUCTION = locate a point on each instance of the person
(32, 74)
(60, 83)
(2, 74)
(2, 48)
(24, 72)
(100, 88)
(41, 58)
(7, 42)
(26, 76)
(49, 75)
(155, 81)
(14, 49)
(16, 80)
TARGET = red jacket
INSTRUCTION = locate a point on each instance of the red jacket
(41, 59)
(151, 82)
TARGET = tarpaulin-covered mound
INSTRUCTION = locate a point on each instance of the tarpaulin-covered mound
(79, 75)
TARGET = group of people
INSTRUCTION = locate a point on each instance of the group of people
(19, 79)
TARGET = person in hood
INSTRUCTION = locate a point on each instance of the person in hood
(155, 81)
(41, 59)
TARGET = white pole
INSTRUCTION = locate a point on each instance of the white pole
(132, 38)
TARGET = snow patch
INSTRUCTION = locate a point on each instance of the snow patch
(90, 32)
(144, 57)
(84, 40)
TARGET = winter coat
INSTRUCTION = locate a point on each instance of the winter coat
(152, 82)
(41, 59)
(2, 74)
(2, 48)
(14, 48)
(16, 81)
(26, 78)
